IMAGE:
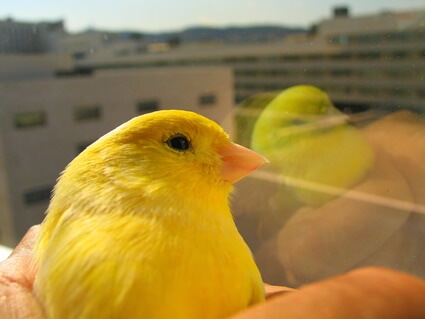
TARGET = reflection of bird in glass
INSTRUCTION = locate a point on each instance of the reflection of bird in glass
(376, 171)
(310, 141)
(140, 227)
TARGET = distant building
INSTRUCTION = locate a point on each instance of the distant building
(22, 37)
(385, 27)
(117, 44)
(84, 44)
(14, 67)
(46, 122)
(18, 37)
(366, 61)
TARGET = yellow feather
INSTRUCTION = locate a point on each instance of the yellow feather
(137, 229)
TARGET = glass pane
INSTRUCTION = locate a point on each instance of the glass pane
(37, 195)
(30, 119)
(334, 97)
(147, 106)
(89, 112)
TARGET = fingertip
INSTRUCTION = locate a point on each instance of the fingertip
(273, 291)
(27, 242)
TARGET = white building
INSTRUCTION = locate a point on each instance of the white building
(44, 123)
(371, 61)
(26, 37)
(15, 67)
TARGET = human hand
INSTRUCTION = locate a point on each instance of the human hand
(17, 274)
(377, 293)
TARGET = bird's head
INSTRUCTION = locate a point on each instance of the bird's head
(302, 99)
(159, 153)
(295, 113)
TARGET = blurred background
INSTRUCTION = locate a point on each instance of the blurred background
(72, 71)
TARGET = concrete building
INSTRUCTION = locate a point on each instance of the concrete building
(33, 66)
(83, 45)
(86, 43)
(366, 61)
(46, 122)
(23, 37)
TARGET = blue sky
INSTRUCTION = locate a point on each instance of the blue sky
(162, 15)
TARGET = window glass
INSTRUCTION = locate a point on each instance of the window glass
(36, 196)
(87, 113)
(332, 96)
(30, 119)
(207, 99)
(82, 146)
(147, 106)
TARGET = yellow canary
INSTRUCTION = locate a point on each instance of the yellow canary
(140, 227)
(310, 141)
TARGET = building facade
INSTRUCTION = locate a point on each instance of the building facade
(45, 123)
(14, 67)
(22, 37)
(362, 62)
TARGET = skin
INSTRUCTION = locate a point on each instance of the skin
(395, 294)
(17, 275)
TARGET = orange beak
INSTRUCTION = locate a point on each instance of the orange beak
(239, 161)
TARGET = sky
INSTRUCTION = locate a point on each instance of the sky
(168, 15)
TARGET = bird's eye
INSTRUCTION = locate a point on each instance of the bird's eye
(178, 142)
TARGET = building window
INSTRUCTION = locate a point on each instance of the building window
(290, 58)
(341, 72)
(82, 146)
(207, 99)
(399, 92)
(87, 112)
(30, 119)
(341, 56)
(421, 93)
(400, 54)
(367, 90)
(79, 55)
(368, 55)
(147, 106)
(339, 39)
(38, 195)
